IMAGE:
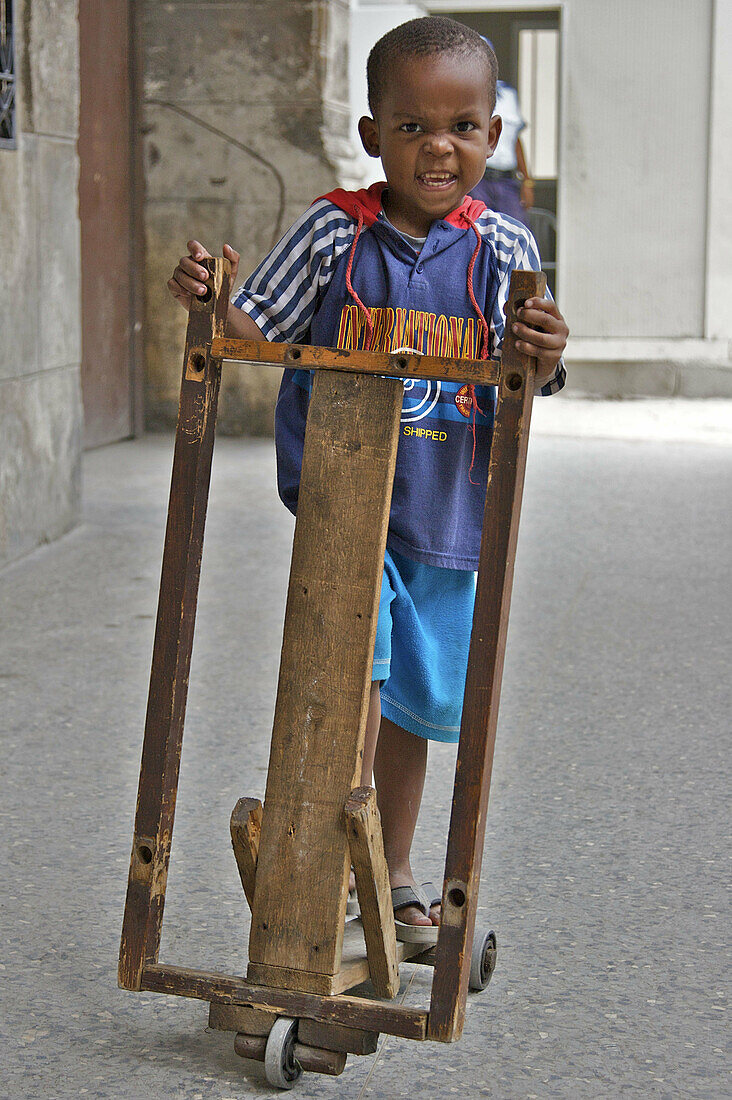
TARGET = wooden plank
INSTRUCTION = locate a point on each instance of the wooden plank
(258, 1022)
(351, 1040)
(355, 968)
(245, 826)
(361, 1012)
(374, 893)
(312, 1059)
(325, 670)
(253, 1021)
(396, 365)
(174, 633)
(251, 1046)
(317, 1060)
(483, 682)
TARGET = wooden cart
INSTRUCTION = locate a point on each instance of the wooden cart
(292, 1009)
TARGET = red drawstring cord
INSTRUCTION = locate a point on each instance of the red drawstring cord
(483, 323)
(349, 284)
(486, 334)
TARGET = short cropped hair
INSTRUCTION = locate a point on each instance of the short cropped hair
(430, 34)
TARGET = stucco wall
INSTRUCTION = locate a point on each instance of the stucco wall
(634, 166)
(40, 334)
(271, 79)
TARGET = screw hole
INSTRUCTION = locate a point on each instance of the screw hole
(514, 382)
(304, 590)
(295, 353)
(198, 362)
(401, 362)
(144, 853)
(456, 897)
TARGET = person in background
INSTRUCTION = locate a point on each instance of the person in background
(507, 186)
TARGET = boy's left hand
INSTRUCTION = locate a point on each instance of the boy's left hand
(541, 331)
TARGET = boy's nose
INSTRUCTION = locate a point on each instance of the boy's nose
(438, 145)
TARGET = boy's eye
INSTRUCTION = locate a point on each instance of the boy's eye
(410, 127)
(464, 127)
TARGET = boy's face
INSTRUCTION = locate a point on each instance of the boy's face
(433, 131)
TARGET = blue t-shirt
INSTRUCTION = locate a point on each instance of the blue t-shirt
(416, 301)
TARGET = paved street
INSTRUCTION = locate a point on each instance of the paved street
(604, 868)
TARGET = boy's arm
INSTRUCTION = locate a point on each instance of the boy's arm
(187, 282)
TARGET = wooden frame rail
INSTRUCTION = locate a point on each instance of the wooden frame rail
(402, 364)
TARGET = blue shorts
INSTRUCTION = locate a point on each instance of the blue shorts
(422, 643)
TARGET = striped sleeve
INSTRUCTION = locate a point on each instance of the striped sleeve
(281, 296)
(515, 250)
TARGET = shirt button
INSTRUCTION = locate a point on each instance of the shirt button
(420, 268)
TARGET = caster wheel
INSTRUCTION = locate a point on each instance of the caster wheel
(482, 960)
(280, 1065)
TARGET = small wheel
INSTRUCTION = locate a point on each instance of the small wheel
(280, 1065)
(482, 960)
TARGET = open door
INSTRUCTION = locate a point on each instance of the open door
(528, 48)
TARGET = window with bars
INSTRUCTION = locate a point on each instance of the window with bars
(7, 76)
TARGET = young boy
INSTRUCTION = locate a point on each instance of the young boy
(414, 264)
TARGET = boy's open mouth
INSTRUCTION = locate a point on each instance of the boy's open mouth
(436, 180)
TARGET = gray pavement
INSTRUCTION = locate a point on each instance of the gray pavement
(604, 866)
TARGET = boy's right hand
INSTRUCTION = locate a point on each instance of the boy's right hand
(187, 279)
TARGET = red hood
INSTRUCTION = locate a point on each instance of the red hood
(368, 201)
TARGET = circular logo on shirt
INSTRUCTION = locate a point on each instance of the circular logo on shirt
(420, 395)
(464, 401)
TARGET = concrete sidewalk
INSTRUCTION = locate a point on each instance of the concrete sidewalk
(604, 863)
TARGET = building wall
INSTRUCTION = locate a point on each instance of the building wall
(645, 230)
(634, 166)
(244, 123)
(40, 353)
(639, 149)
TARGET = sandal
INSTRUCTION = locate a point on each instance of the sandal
(401, 897)
(432, 894)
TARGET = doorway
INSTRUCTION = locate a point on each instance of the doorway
(528, 48)
(105, 212)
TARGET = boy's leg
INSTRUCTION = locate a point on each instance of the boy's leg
(400, 765)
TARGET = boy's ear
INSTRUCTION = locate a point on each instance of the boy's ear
(494, 132)
(369, 133)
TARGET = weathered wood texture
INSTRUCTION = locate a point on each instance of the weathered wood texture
(257, 1022)
(483, 682)
(359, 1012)
(174, 633)
(354, 969)
(312, 1059)
(245, 827)
(396, 365)
(374, 893)
(325, 671)
(351, 1040)
(253, 1021)
(317, 1060)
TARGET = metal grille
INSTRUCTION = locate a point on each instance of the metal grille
(7, 76)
